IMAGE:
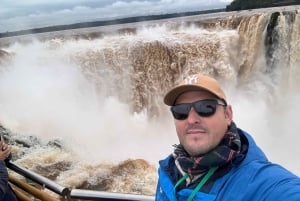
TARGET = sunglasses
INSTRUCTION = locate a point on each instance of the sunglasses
(204, 108)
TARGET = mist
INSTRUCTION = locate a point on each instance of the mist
(44, 93)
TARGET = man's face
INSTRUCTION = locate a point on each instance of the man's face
(197, 134)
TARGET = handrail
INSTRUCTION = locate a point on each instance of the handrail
(67, 193)
(44, 182)
(100, 195)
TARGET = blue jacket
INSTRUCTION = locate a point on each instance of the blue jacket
(254, 179)
(6, 193)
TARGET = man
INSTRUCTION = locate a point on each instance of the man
(6, 193)
(215, 160)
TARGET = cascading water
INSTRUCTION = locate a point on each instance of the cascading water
(90, 110)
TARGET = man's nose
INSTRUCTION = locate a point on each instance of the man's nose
(193, 116)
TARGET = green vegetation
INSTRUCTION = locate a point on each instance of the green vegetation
(252, 4)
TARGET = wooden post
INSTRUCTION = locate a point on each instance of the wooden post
(43, 196)
(19, 194)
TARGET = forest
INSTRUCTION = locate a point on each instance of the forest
(252, 4)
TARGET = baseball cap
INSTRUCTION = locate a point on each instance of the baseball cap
(195, 82)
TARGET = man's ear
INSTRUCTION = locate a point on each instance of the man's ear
(228, 114)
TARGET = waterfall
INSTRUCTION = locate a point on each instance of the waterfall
(100, 94)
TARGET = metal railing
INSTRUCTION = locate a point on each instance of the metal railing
(65, 193)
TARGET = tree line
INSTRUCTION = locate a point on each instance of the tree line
(252, 4)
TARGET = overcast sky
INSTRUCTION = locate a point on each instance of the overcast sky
(23, 14)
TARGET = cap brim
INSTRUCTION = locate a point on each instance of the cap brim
(173, 94)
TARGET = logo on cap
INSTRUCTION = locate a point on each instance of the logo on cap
(191, 79)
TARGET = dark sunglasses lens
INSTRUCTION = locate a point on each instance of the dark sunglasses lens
(205, 108)
(181, 111)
